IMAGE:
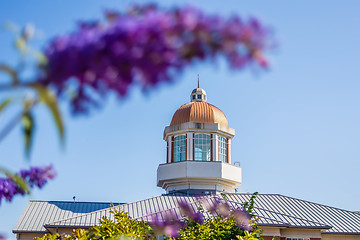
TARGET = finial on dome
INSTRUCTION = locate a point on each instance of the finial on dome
(198, 94)
(198, 81)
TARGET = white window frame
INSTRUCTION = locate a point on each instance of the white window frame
(223, 149)
(179, 154)
(202, 143)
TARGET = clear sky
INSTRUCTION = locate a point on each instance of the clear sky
(297, 125)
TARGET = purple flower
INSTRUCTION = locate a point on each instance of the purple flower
(145, 46)
(169, 226)
(187, 211)
(2, 237)
(218, 207)
(38, 175)
(35, 176)
(242, 218)
(8, 189)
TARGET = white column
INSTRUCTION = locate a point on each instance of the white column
(215, 147)
(169, 149)
(229, 150)
(189, 146)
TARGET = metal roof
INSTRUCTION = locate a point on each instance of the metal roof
(38, 213)
(201, 112)
(273, 210)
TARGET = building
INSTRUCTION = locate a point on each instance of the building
(198, 162)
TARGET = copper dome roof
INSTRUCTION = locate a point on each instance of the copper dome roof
(201, 112)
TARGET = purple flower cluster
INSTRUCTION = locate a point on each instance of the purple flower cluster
(145, 46)
(38, 176)
(223, 209)
(171, 224)
(187, 211)
(35, 176)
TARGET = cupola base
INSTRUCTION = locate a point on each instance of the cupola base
(198, 177)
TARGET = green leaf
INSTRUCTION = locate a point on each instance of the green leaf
(12, 27)
(4, 104)
(28, 128)
(17, 179)
(50, 100)
(9, 70)
(39, 56)
(20, 44)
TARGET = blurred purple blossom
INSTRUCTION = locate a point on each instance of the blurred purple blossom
(35, 176)
(172, 223)
(187, 211)
(38, 176)
(169, 226)
(146, 46)
(242, 219)
(221, 208)
(2, 237)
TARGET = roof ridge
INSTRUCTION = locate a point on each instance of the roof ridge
(253, 193)
(48, 201)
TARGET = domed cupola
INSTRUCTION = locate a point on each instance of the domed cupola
(198, 110)
(198, 150)
(198, 95)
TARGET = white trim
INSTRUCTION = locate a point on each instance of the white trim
(229, 150)
(189, 147)
(216, 147)
(169, 148)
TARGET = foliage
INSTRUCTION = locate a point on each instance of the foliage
(216, 228)
(124, 227)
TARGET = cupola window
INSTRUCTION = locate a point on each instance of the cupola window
(179, 148)
(202, 147)
(199, 96)
(223, 149)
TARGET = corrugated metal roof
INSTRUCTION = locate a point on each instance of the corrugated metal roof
(272, 209)
(38, 213)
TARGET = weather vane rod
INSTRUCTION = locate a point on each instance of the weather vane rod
(198, 81)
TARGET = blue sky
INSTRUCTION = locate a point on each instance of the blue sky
(297, 125)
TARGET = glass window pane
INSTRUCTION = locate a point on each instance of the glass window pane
(202, 147)
(222, 149)
(179, 148)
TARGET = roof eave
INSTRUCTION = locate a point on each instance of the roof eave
(342, 233)
(24, 231)
(66, 226)
(311, 227)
